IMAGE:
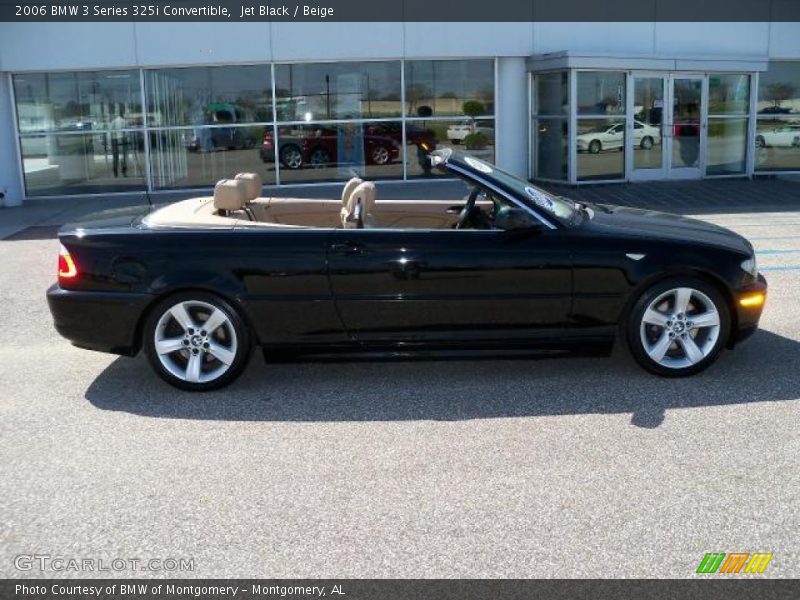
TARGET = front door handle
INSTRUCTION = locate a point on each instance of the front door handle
(347, 247)
(407, 268)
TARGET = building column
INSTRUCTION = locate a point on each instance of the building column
(511, 112)
(10, 183)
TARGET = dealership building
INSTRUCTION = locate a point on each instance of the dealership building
(113, 108)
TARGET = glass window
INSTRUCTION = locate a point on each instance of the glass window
(323, 91)
(600, 144)
(551, 143)
(336, 152)
(728, 94)
(85, 101)
(778, 144)
(473, 136)
(444, 88)
(209, 95)
(601, 93)
(779, 89)
(727, 143)
(200, 156)
(551, 93)
(63, 164)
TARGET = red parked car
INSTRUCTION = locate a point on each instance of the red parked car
(319, 147)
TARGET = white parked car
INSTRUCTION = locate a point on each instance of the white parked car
(457, 133)
(613, 137)
(783, 137)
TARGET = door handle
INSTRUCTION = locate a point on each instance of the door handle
(407, 268)
(347, 248)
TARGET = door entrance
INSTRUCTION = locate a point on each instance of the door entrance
(666, 131)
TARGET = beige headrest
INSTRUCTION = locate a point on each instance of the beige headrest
(363, 194)
(230, 194)
(252, 184)
(348, 189)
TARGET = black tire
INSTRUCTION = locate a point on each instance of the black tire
(381, 155)
(716, 341)
(760, 142)
(319, 158)
(595, 146)
(291, 156)
(646, 143)
(240, 341)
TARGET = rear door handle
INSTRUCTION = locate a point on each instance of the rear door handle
(347, 247)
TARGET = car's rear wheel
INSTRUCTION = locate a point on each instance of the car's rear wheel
(196, 341)
(647, 142)
(380, 155)
(760, 142)
(291, 157)
(678, 327)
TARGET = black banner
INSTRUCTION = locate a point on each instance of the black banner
(745, 588)
(401, 10)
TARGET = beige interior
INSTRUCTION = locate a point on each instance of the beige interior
(233, 203)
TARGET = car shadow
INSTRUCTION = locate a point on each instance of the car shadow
(761, 370)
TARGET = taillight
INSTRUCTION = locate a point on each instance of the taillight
(66, 266)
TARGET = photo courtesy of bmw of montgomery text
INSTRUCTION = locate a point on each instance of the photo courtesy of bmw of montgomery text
(198, 283)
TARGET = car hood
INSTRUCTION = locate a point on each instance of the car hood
(634, 222)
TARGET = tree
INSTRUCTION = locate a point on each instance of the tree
(473, 108)
(777, 92)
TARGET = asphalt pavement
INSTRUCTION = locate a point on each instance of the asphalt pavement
(567, 467)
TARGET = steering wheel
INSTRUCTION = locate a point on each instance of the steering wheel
(465, 216)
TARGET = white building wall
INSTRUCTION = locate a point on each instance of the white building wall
(10, 180)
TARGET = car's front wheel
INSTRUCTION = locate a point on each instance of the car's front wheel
(196, 341)
(595, 146)
(678, 327)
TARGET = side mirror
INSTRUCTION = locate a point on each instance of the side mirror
(508, 219)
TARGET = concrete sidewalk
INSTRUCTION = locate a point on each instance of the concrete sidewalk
(685, 197)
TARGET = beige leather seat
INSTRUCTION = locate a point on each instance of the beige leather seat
(230, 196)
(252, 183)
(358, 212)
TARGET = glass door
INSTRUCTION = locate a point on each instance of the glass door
(685, 127)
(646, 129)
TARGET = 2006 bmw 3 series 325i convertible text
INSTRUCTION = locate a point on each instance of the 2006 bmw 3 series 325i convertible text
(198, 283)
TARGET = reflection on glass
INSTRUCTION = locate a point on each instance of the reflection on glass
(728, 94)
(601, 93)
(687, 109)
(551, 92)
(330, 152)
(551, 148)
(727, 139)
(473, 136)
(449, 88)
(777, 144)
(779, 89)
(85, 101)
(352, 90)
(648, 112)
(209, 95)
(200, 156)
(83, 164)
(600, 144)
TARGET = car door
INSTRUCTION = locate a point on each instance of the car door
(440, 286)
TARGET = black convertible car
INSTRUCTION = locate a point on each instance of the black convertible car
(198, 283)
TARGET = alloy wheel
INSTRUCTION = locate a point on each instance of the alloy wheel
(380, 156)
(292, 157)
(195, 341)
(319, 158)
(680, 328)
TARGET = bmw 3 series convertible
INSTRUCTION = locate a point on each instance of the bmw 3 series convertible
(197, 284)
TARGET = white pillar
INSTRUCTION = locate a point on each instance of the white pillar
(10, 183)
(511, 112)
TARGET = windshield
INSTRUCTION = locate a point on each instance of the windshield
(560, 207)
